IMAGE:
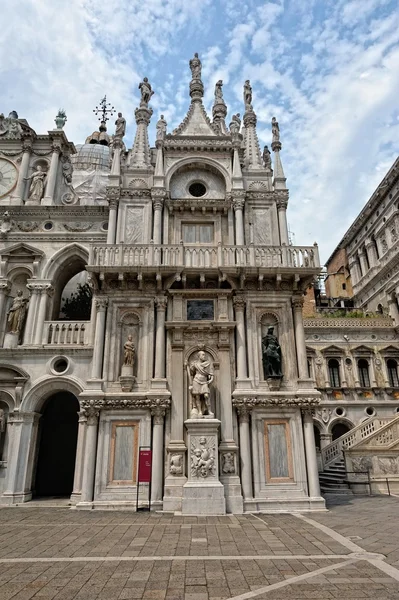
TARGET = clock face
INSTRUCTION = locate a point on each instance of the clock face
(8, 176)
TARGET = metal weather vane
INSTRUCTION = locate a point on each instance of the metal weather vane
(105, 110)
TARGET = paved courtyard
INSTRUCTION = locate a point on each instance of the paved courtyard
(351, 552)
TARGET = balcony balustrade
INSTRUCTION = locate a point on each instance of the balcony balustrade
(66, 333)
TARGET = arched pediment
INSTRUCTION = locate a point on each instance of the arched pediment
(46, 387)
(199, 163)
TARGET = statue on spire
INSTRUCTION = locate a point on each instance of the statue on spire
(196, 67)
(275, 130)
(120, 126)
(267, 161)
(219, 92)
(247, 94)
(146, 92)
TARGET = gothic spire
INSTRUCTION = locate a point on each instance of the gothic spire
(141, 156)
(279, 177)
(253, 159)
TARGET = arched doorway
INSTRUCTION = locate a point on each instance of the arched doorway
(317, 437)
(339, 429)
(58, 436)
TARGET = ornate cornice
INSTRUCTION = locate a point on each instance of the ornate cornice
(125, 402)
(242, 404)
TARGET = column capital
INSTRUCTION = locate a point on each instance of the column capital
(113, 196)
(161, 303)
(239, 303)
(27, 144)
(101, 303)
(92, 415)
(56, 147)
(238, 199)
(40, 287)
(23, 417)
(297, 303)
(308, 413)
(158, 412)
(282, 200)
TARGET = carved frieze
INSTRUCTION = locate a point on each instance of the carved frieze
(250, 403)
(202, 456)
(125, 402)
(77, 227)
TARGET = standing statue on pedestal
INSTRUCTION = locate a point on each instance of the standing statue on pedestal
(271, 356)
(247, 94)
(219, 92)
(36, 188)
(267, 161)
(120, 128)
(129, 352)
(275, 130)
(196, 67)
(200, 376)
(161, 128)
(16, 314)
(146, 92)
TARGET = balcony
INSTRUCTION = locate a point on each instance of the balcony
(66, 333)
(169, 257)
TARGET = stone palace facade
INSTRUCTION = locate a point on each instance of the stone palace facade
(150, 298)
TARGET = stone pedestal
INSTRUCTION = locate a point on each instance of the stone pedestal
(203, 494)
(11, 340)
(127, 378)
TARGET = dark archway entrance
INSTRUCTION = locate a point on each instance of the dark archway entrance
(57, 446)
(339, 429)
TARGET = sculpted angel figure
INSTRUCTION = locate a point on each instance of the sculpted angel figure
(129, 351)
(235, 124)
(275, 130)
(219, 92)
(36, 188)
(200, 376)
(16, 314)
(247, 93)
(161, 128)
(120, 128)
(196, 67)
(146, 92)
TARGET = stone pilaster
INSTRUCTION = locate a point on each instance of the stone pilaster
(141, 156)
(311, 457)
(282, 203)
(52, 174)
(18, 195)
(89, 465)
(160, 303)
(245, 451)
(45, 289)
(297, 306)
(158, 196)
(158, 418)
(101, 304)
(238, 198)
(80, 455)
(113, 195)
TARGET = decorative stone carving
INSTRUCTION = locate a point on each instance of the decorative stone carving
(228, 463)
(158, 413)
(78, 227)
(202, 457)
(10, 128)
(120, 126)
(219, 92)
(161, 127)
(123, 402)
(37, 185)
(16, 314)
(146, 92)
(200, 376)
(247, 404)
(247, 94)
(324, 414)
(196, 67)
(129, 352)
(60, 119)
(271, 355)
(267, 160)
(275, 130)
(27, 226)
(176, 464)
(235, 124)
(6, 224)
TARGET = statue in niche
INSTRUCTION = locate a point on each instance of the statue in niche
(228, 463)
(235, 124)
(146, 92)
(176, 464)
(16, 314)
(202, 459)
(129, 352)
(196, 67)
(200, 376)
(37, 185)
(247, 93)
(219, 92)
(161, 128)
(275, 130)
(120, 126)
(271, 355)
(267, 160)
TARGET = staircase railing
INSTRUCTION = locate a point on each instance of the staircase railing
(335, 450)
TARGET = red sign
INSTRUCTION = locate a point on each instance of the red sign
(145, 461)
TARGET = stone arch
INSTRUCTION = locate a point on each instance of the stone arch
(320, 425)
(60, 258)
(201, 163)
(46, 387)
(340, 420)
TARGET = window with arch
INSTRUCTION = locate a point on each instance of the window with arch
(363, 369)
(392, 367)
(333, 373)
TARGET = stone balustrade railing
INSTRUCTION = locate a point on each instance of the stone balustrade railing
(186, 256)
(335, 450)
(66, 333)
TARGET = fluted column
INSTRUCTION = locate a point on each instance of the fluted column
(238, 205)
(89, 466)
(158, 415)
(32, 306)
(52, 175)
(297, 305)
(160, 303)
(311, 458)
(239, 306)
(157, 196)
(245, 452)
(282, 203)
(43, 292)
(113, 201)
(18, 195)
(363, 262)
(101, 304)
(80, 455)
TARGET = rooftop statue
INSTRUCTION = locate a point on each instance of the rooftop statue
(235, 124)
(247, 93)
(267, 161)
(146, 92)
(275, 130)
(60, 119)
(120, 128)
(219, 92)
(161, 128)
(196, 67)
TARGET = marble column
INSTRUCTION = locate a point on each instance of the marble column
(89, 465)
(5, 288)
(113, 201)
(98, 352)
(393, 309)
(245, 452)
(160, 303)
(282, 203)
(371, 253)
(297, 304)
(239, 306)
(117, 145)
(80, 456)
(311, 458)
(32, 306)
(354, 270)
(18, 195)
(158, 416)
(238, 205)
(43, 294)
(52, 175)
(363, 262)
(157, 202)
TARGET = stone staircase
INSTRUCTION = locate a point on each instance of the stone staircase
(333, 479)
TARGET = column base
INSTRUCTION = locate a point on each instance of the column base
(95, 384)
(46, 201)
(84, 506)
(159, 384)
(15, 201)
(306, 384)
(32, 203)
(17, 498)
(284, 505)
(75, 497)
(243, 384)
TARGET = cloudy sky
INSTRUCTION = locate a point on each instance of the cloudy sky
(327, 69)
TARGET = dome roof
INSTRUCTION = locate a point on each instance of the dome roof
(92, 156)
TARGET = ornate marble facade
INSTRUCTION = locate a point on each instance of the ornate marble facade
(186, 268)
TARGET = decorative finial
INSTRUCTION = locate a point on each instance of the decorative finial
(146, 92)
(247, 95)
(60, 119)
(104, 110)
(276, 144)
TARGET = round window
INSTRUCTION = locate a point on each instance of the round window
(339, 411)
(197, 189)
(48, 225)
(370, 411)
(104, 226)
(60, 365)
